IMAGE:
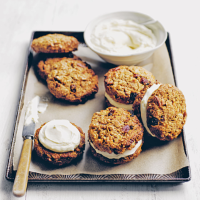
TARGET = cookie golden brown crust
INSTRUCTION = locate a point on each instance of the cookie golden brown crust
(55, 43)
(166, 112)
(59, 159)
(45, 66)
(124, 83)
(115, 130)
(73, 81)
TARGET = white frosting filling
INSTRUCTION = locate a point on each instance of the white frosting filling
(119, 36)
(117, 104)
(117, 156)
(59, 136)
(143, 106)
(34, 106)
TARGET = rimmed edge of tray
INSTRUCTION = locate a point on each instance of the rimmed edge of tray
(182, 175)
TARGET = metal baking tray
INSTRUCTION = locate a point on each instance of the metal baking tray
(181, 175)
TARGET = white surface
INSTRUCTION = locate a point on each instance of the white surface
(17, 21)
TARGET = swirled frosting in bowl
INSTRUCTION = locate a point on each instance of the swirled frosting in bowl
(59, 136)
(119, 36)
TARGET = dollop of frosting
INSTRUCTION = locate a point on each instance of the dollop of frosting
(59, 136)
(119, 36)
(117, 104)
(143, 106)
(117, 156)
(32, 111)
(33, 108)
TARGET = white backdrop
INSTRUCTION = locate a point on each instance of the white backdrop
(17, 21)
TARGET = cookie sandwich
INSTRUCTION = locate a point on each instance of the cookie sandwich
(59, 142)
(115, 136)
(124, 83)
(162, 109)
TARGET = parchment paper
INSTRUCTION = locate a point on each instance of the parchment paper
(157, 157)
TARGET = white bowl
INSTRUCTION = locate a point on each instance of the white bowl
(133, 58)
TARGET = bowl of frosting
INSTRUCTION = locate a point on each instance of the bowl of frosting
(124, 38)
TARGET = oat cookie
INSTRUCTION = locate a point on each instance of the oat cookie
(73, 81)
(165, 112)
(55, 43)
(45, 66)
(124, 83)
(115, 135)
(59, 159)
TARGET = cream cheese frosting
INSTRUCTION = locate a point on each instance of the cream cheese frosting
(33, 108)
(117, 156)
(59, 136)
(117, 104)
(119, 36)
(143, 106)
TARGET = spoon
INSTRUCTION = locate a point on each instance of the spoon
(148, 22)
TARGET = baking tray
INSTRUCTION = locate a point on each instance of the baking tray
(181, 175)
